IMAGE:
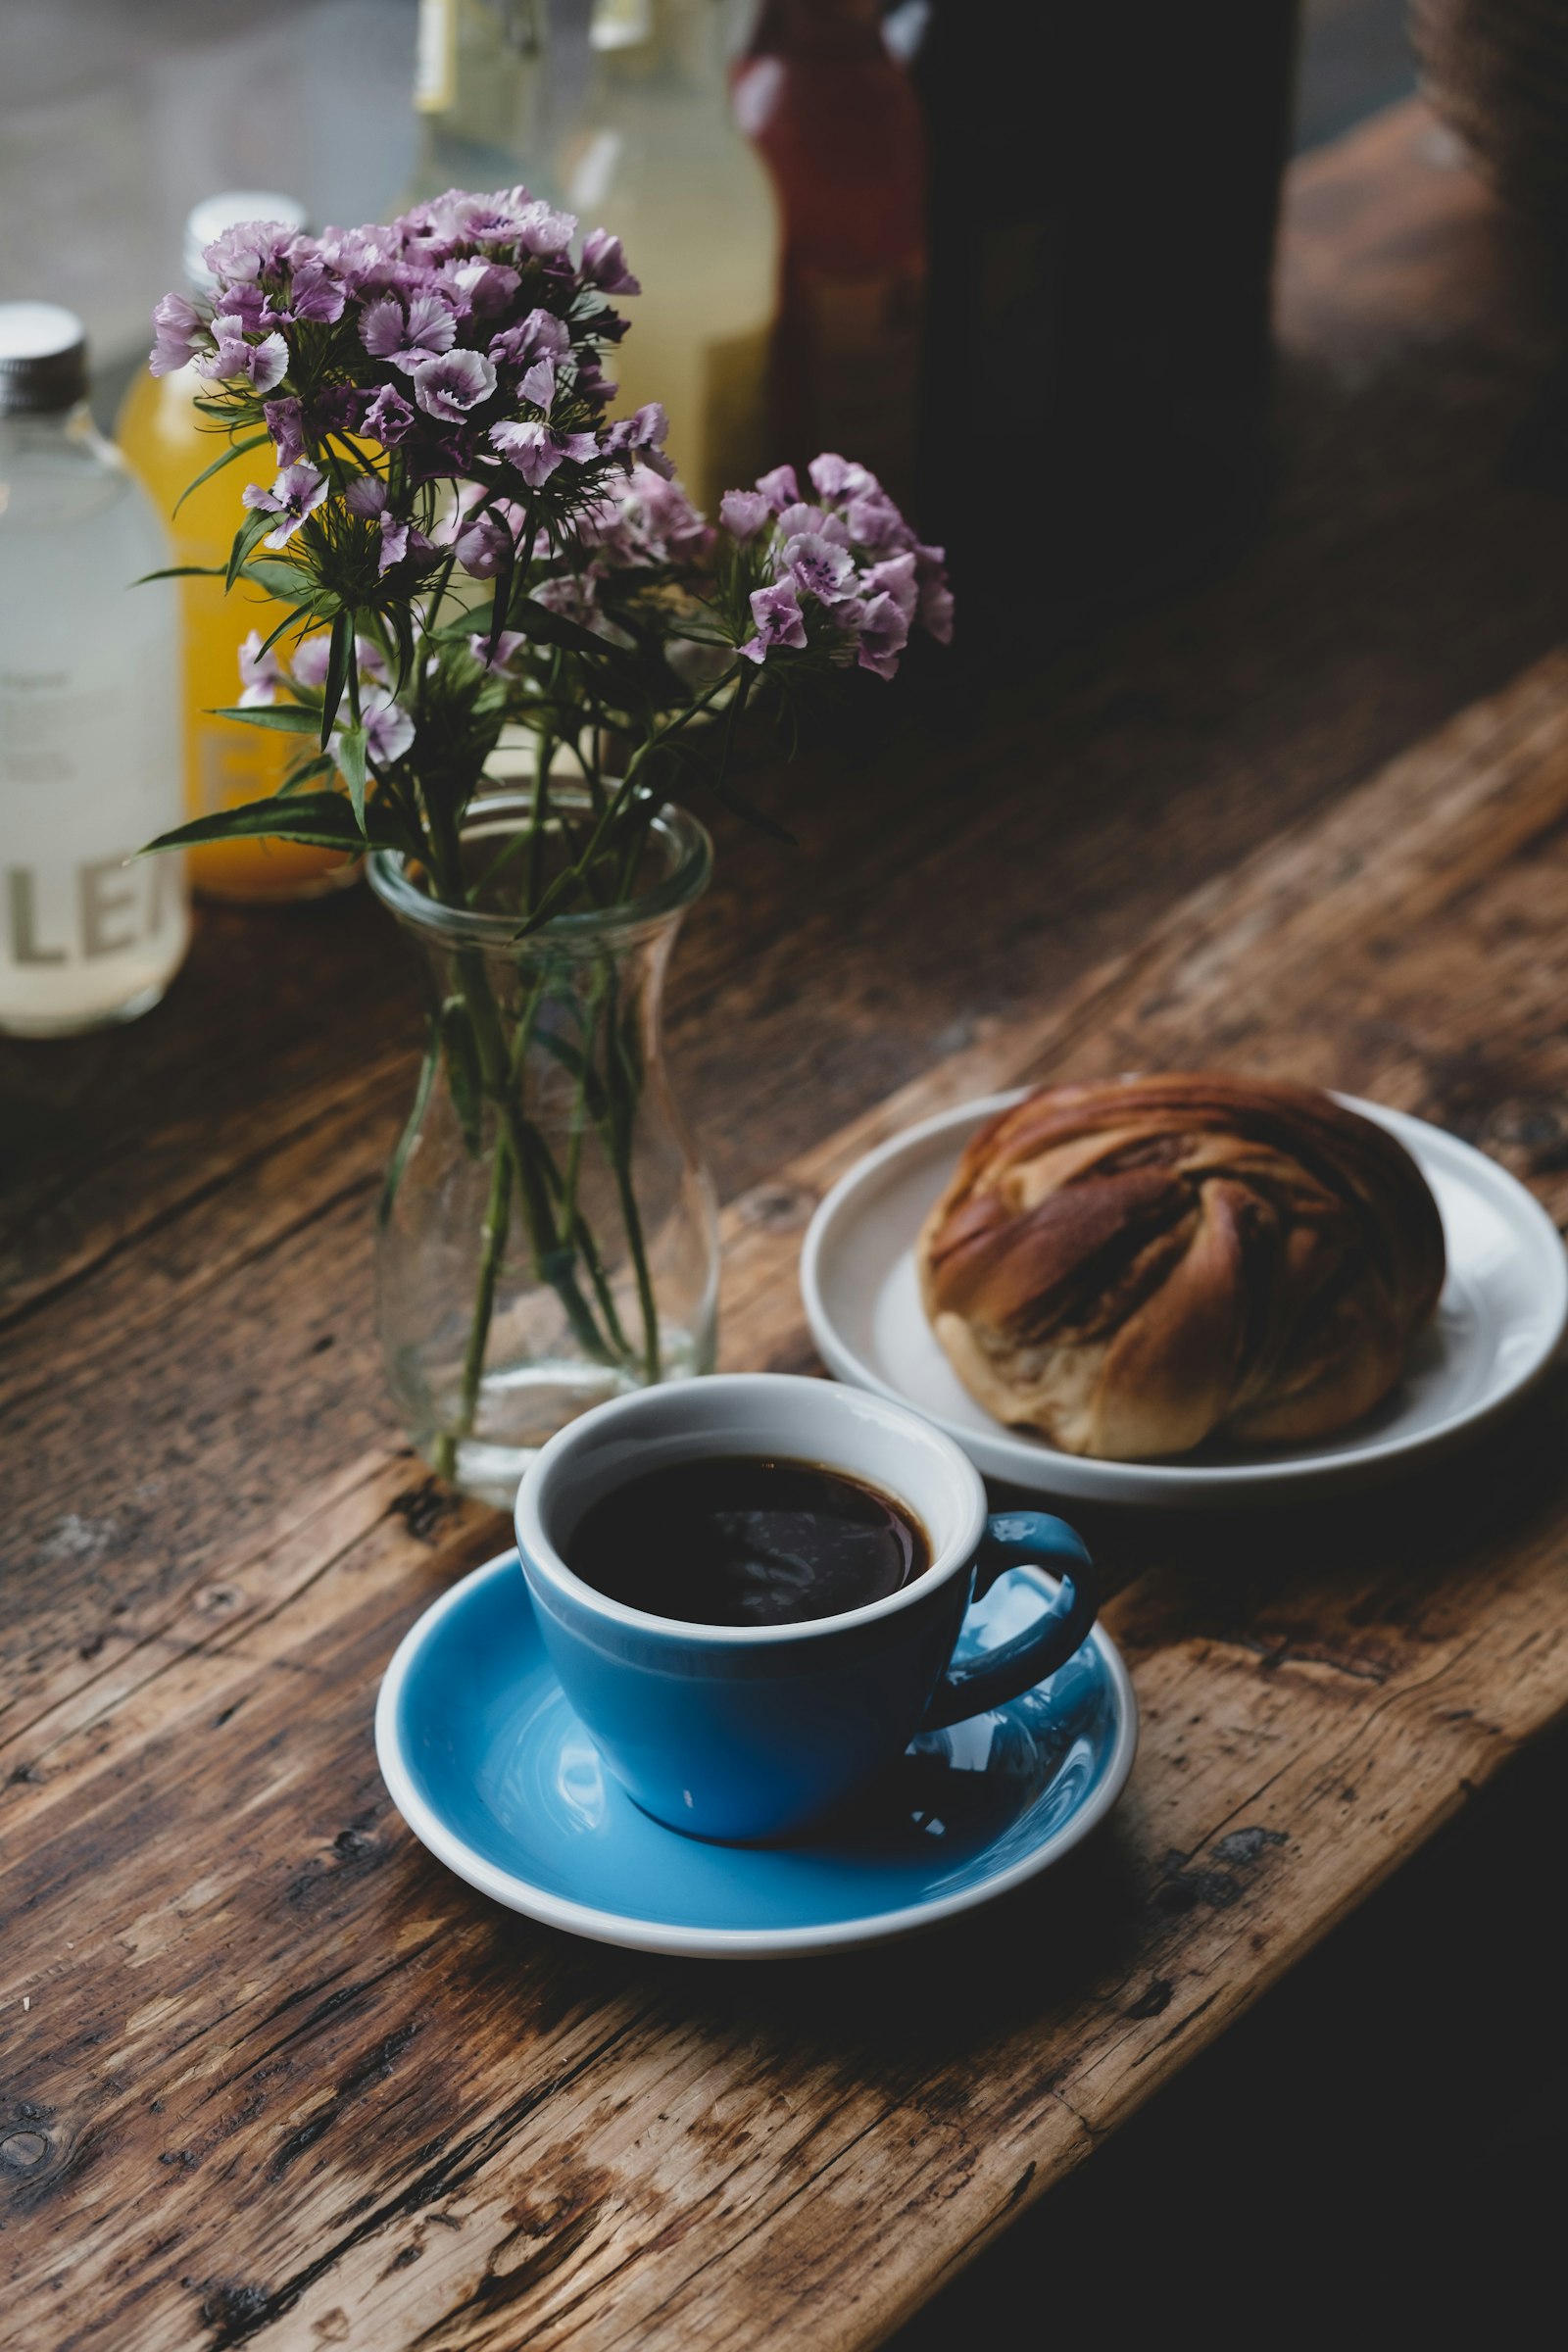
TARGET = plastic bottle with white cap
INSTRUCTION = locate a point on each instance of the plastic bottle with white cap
(89, 708)
(168, 442)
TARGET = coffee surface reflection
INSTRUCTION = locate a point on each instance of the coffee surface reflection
(743, 1540)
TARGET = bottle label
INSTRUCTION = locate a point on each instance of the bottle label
(89, 774)
(435, 59)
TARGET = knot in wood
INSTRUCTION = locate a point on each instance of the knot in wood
(24, 2149)
(220, 1600)
(776, 1207)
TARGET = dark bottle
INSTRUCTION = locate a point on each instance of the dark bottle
(1104, 188)
(838, 124)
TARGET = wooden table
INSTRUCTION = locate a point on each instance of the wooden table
(269, 2073)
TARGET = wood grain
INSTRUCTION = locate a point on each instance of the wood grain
(278, 2078)
(274, 2027)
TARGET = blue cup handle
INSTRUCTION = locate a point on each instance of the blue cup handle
(1021, 1540)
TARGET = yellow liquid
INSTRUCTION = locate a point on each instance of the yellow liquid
(165, 441)
(656, 154)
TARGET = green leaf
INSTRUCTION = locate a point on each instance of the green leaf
(351, 748)
(182, 571)
(240, 449)
(339, 654)
(254, 527)
(464, 1080)
(554, 628)
(321, 819)
(307, 772)
(287, 718)
(403, 635)
(289, 621)
(290, 584)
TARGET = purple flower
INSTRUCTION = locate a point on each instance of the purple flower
(604, 265)
(641, 439)
(874, 522)
(249, 304)
(743, 512)
(261, 674)
(506, 646)
(248, 250)
(648, 521)
(406, 339)
(776, 613)
(779, 488)
(536, 450)
(310, 659)
(483, 288)
(314, 293)
(367, 496)
(594, 384)
(802, 518)
(895, 577)
(884, 634)
(539, 385)
(286, 421)
(180, 332)
(388, 729)
(264, 364)
(539, 336)
(835, 477)
(450, 386)
(297, 492)
(490, 540)
(389, 418)
(367, 260)
(542, 231)
(819, 568)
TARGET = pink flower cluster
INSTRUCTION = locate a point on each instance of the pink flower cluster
(844, 567)
(462, 336)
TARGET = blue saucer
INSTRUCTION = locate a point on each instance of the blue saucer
(492, 1771)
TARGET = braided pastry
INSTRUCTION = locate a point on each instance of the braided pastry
(1134, 1267)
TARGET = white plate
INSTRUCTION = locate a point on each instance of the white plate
(1500, 1319)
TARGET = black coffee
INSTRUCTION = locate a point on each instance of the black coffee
(739, 1540)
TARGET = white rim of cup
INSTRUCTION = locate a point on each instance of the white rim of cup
(537, 1552)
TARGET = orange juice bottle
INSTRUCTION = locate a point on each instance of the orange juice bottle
(167, 443)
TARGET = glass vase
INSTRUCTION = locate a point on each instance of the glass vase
(547, 1234)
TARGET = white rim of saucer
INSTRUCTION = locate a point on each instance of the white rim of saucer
(715, 1943)
(1087, 1479)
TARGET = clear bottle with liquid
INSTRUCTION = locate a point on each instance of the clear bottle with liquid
(89, 704)
(479, 94)
(167, 443)
(833, 112)
(653, 153)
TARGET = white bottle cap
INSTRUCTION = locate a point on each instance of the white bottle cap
(43, 358)
(207, 221)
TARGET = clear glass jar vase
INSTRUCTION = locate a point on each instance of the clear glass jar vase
(547, 1234)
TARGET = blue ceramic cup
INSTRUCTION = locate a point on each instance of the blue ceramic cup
(748, 1732)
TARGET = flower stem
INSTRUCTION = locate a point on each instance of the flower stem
(493, 1233)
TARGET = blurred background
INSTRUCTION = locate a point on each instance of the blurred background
(964, 242)
(117, 116)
